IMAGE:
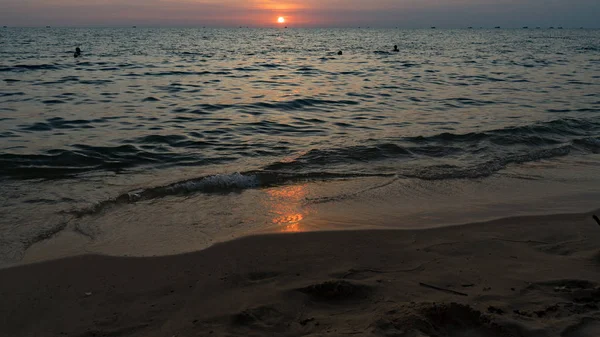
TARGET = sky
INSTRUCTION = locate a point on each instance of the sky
(302, 13)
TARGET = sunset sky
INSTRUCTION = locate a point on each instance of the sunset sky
(301, 13)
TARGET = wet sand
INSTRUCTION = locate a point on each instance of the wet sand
(527, 276)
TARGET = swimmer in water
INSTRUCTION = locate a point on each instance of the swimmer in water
(396, 49)
(77, 52)
(340, 53)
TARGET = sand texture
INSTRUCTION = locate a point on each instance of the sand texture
(530, 276)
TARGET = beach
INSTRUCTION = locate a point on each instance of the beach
(524, 276)
(256, 182)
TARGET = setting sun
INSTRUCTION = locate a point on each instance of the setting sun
(281, 19)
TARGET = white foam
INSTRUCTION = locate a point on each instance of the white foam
(219, 181)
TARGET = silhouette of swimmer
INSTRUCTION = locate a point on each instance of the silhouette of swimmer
(77, 52)
(340, 53)
(396, 49)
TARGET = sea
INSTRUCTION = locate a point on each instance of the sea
(164, 141)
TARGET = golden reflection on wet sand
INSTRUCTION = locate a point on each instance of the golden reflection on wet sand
(285, 206)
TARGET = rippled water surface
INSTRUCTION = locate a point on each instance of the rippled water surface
(158, 116)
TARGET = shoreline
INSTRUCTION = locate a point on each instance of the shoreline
(177, 225)
(522, 276)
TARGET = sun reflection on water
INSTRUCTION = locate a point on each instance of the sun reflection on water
(285, 204)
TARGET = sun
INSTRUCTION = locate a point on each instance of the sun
(281, 19)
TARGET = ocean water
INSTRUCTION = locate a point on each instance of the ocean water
(161, 141)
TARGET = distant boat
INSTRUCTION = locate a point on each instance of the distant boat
(525, 27)
(134, 27)
(5, 27)
(470, 27)
(551, 27)
(47, 26)
(560, 28)
(497, 27)
(433, 27)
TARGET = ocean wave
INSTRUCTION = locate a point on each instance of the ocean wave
(336, 163)
(492, 149)
(60, 123)
(588, 144)
(62, 163)
(526, 134)
(187, 73)
(301, 104)
(513, 144)
(291, 105)
(220, 183)
(26, 67)
(8, 94)
(484, 169)
(319, 158)
(272, 176)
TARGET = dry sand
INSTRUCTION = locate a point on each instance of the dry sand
(530, 276)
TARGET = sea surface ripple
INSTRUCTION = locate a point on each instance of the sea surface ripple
(148, 113)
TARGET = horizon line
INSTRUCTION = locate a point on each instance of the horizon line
(525, 27)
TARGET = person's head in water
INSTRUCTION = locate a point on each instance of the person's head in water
(340, 53)
(396, 48)
(77, 52)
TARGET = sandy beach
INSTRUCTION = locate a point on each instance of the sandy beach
(528, 276)
(299, 168)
